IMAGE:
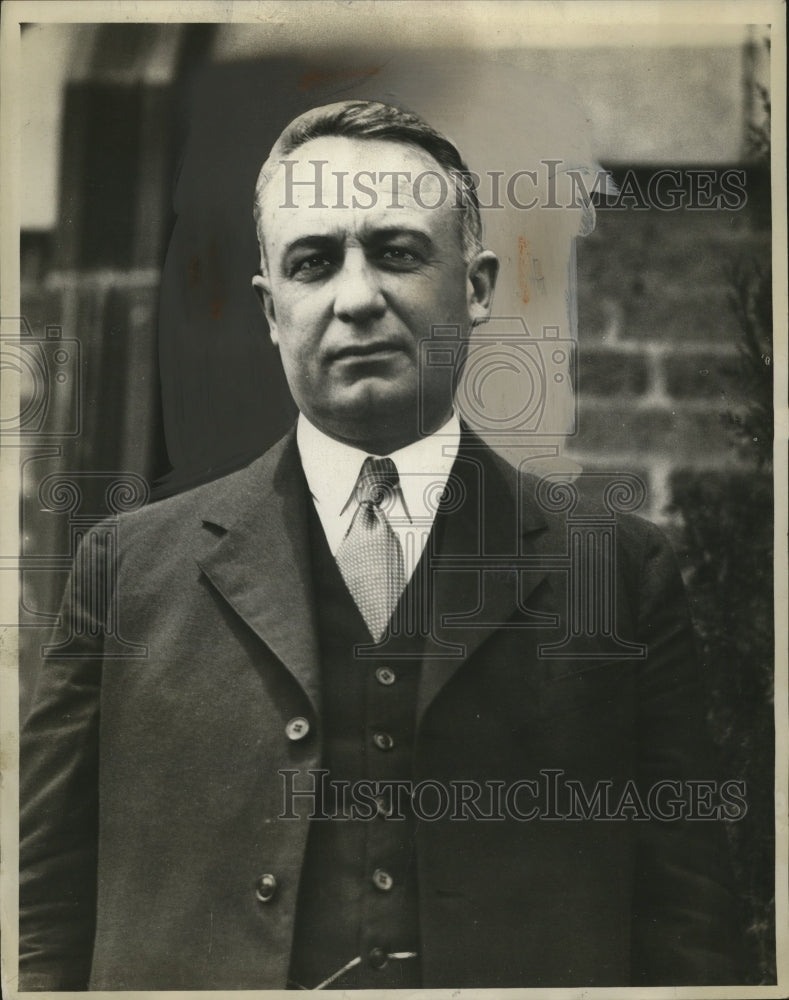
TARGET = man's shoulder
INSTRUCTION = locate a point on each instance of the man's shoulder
(553, 505)
(606, 504)
(215, 501)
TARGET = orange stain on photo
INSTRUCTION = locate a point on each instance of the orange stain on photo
(193, 269)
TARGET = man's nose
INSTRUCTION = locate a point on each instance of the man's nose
(359, 296)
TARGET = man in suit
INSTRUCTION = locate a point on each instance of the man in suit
(369, 745)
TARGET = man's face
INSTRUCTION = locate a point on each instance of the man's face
(351, 289)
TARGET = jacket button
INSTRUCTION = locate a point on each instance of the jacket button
(383, 741)
(382, 880)
(377, 958)
(266, 888)
(385, 676)
(297, 728)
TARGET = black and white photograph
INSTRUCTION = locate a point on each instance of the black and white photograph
(394, 463)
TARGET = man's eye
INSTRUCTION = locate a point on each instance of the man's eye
(399, 256)
(310, 267)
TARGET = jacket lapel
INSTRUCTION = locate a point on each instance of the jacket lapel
(477, 583)
(259, 561)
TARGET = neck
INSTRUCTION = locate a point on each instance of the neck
(383, 440)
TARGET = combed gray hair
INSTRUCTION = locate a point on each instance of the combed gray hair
(374, 120)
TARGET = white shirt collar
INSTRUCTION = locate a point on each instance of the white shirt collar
(332, 469)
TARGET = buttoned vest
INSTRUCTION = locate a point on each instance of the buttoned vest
(358, 891)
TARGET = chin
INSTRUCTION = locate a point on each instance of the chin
(378, 398)
(372, 412)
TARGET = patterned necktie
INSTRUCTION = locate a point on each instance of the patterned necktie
(370, 557)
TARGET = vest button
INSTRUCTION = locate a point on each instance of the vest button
(382, 880)
(383, 741)
(377, 958)
(266, 888)
(297, 728)
(385, 676)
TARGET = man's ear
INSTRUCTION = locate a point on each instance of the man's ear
(482, 273)
(262, 289)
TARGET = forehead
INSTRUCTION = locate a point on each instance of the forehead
(342, 185)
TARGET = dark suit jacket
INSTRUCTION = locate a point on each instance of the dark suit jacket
(151, 789)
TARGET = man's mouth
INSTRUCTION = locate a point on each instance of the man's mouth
(367, 350)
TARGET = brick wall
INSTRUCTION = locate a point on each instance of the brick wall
(658, 355)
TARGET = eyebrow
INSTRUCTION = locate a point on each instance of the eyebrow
(378, 235)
